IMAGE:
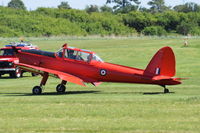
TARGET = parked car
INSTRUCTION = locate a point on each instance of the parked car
(8, 58)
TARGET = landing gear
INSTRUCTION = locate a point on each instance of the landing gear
(61, 87)
(165, 89)
(37, 90)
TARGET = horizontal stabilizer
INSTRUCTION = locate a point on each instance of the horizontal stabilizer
(161, 77)
(181, 78)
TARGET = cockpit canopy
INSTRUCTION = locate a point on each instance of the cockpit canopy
(78, 54)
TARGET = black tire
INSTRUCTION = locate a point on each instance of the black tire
(17, 73)
(60, 88)
(37, 90)
(166, 90)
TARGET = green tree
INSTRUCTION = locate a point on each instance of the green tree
(106, 8)
(186, 28)
(144, 9)
(158, 6)
(169, 20)
(139, 20)
(92, 8)
(124, 6)
(17, 4)
(188, 7)
(64, 5)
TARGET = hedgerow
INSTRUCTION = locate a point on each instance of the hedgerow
(57, 22)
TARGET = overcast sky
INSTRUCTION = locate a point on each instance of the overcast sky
(81, 4)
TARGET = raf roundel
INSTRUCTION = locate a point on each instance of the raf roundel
(103, 72)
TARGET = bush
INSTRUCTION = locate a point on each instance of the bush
(195, 31)
(139, 20)
(186, 28)
(7, 32)
(93, 23)
(56, 22)
(154, 31)
(169, 20)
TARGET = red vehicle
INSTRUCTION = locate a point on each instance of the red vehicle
(8, 59)
(82, 66)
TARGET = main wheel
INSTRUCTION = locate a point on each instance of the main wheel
(37, 90)
(60, 88)
(17, 73)
(166, 90)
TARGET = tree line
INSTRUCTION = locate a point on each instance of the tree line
(125, 18)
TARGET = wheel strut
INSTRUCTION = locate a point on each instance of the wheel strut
(44, 79)
(38, 89)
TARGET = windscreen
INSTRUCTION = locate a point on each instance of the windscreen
(97, 58)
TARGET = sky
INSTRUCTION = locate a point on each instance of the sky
(81, 4)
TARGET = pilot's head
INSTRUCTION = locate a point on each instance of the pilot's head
(71, 51)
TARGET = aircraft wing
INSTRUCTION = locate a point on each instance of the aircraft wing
(58, 74)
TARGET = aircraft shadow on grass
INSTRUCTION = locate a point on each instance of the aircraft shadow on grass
(143, 93)
(49, 93)
(2, 78)
(83, 92)
(155, 93)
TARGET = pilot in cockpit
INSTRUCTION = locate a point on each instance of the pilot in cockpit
(71, 54)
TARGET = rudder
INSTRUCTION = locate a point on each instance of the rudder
(162, 63)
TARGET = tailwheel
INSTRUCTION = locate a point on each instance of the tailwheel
(37, 90)
(165, 89)
(60, 88)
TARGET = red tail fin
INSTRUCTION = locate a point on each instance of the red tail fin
(163, 63)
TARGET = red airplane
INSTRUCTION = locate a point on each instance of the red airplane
(81, 66)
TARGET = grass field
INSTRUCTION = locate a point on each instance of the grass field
(110, 107)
